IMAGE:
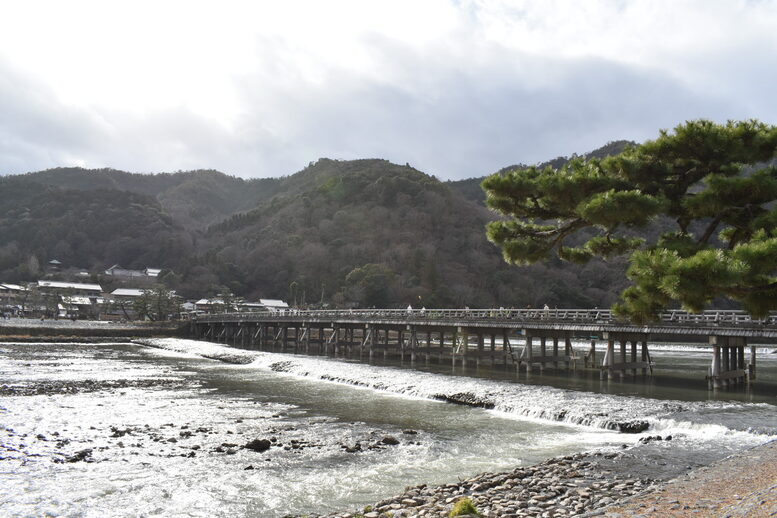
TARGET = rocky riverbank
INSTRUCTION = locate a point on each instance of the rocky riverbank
(582, 485)
(574, 485)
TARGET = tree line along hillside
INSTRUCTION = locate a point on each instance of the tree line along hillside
(361, 232)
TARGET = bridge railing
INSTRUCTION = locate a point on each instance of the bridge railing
(591, 316)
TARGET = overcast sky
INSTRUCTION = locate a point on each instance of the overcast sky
(455, 88)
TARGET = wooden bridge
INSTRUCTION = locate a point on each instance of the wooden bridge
(530, 338)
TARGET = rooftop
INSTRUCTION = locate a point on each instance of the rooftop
(70, 286)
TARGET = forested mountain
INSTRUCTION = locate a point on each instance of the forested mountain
(195, 198)
(90, 228)
(364, 232)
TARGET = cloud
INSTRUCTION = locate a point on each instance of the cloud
(457, 89)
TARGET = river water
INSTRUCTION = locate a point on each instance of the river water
(120, 429)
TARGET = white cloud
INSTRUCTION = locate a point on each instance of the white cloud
(457, 88)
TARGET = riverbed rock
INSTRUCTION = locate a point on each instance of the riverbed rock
(390, 440)
(83, 455)
(258, 445)
(465, 398)
(635, 426)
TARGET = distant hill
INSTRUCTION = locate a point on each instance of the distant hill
(194, 198)
(471, 190)
(79, 227)
(360, 232)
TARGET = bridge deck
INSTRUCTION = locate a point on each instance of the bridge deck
(577, 321)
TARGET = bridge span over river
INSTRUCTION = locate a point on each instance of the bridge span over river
(521, 338)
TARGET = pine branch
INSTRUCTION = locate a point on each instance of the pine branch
(710, 229)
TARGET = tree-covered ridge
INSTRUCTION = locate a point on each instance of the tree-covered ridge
(377, 233)
(82, 227)
(712, 181)
(364, 232)
(194, 198)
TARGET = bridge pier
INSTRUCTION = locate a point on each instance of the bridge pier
(544, 358)
(728, 367)
(609, 364)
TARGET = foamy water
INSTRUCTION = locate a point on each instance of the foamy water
(181, 386)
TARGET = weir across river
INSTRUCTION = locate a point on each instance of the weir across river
(521, 338)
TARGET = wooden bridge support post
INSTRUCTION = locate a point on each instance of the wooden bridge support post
(592, 354)
(454, 345)
(413, 344)
(464, 347)
(568, 352)
(741, 361)
(624, 359)
(373, 341)
(726, 356)
(481, 349)
(609, 358)
(751, 366)
(529, 352)
(715, 381)
(493, 349)
(505, 346)
(555, 351)
(543, 353)
(441, 349)
(634, 357)
(646, 358)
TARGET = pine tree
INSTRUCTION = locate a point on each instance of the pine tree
(715, 184)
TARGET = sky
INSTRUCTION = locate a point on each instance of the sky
(456, 89)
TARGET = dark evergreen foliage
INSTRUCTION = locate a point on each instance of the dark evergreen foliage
(711, 181)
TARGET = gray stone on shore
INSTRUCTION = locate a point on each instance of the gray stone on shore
(565, 486)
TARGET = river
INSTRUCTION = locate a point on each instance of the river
(122, 429)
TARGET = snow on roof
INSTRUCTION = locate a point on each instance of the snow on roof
(70, 285)
(153, 272)
(127, 292)
(12, 287)
(273, 303)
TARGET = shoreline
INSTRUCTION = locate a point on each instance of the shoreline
(742, 485)
(62, 330)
